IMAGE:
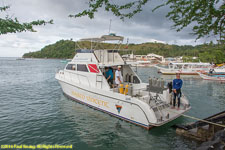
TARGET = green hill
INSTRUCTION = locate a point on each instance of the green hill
(61, 49)
(66, 49)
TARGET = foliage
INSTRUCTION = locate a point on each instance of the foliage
(216, 56)
(61, 49)
(117, 10)
(206, 16)
(190, 59)
(12, 25)
(205, 52)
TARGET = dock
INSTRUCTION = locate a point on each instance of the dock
(203, 130)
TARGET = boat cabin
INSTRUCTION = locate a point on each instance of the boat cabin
(88, 67)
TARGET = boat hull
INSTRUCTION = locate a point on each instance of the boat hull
(108, 105)
(170, 72)
(114, 115)
(207, 77)
(182, 73)
(125, 107)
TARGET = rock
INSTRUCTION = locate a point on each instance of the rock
(217, 142)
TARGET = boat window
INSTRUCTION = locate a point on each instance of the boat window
(71, 67)
(82, 67)
(185, 66)
(178, 67)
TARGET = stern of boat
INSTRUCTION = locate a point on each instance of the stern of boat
(160, 102)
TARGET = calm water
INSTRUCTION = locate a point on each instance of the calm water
(34, 111)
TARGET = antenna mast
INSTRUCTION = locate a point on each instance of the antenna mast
(110, 25)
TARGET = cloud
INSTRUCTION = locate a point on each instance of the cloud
(144, 27)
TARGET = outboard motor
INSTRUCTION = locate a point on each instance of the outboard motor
(170, 86)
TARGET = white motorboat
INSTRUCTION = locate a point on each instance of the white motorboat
(219, 70)
(143, 104)
(212, 77)
(185, 68)
(144, 63)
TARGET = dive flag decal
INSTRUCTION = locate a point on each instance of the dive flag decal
(93, 68)
(118, 107)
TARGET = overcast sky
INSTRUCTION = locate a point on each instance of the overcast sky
(144, 27)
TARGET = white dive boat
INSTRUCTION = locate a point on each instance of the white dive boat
(145, 63)
(143, 104)
(212, 77)
(219, 70)
(185, 68)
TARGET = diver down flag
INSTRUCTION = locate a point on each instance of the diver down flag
(118, 107)
(93, 68)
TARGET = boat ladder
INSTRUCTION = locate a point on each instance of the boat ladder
(159, 105)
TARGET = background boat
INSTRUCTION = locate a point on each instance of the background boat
(215, 77)
(184, 68)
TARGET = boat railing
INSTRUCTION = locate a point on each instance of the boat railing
(60, 73)
(133, 92)
(139, 92)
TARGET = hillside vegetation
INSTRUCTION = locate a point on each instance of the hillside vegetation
(206, 52)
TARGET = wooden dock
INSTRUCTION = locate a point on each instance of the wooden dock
(203, 131)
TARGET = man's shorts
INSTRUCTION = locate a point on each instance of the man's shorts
(110, 81)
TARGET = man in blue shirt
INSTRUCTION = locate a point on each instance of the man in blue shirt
(177, 84)
(109, 76)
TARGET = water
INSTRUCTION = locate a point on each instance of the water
(34, 111)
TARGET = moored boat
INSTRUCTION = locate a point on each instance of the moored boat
(143, 63)
(184, 68)
(219, 70)
(143, 104)
(212, 77)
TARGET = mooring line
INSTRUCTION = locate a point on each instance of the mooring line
(200, 120)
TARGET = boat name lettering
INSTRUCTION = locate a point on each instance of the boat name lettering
(90, 99)
(78, 95)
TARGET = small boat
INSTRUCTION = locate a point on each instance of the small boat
(145, 63)
(145, 104)
(212, 77)
(21, 58)
(184, 68)
(65, 61)
(219, 70)
(214, 72)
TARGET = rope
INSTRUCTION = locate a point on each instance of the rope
(200, 120)
(203, 120)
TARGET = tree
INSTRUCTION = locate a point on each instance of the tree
(206, 16)
(218, 56)
(12, 25)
